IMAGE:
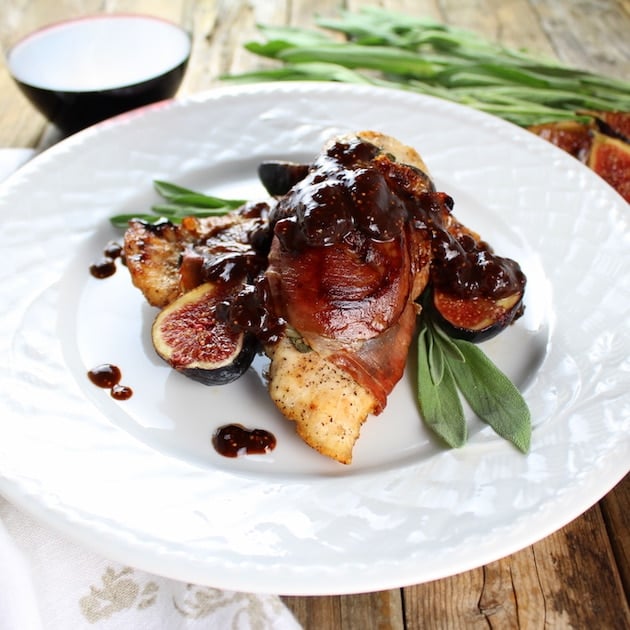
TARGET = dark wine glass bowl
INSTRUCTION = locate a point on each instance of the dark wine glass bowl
(79, 72)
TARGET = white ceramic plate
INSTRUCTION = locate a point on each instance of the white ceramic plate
(139, 480)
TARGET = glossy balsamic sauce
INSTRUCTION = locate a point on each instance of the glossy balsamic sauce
(121, 392)
(113, 250)
(105, 266)
(349, 194)
(251, 311)
(346, 196)
(108, 376)
(234, 440)
(236, 261)
(344, 192)
(461, 265)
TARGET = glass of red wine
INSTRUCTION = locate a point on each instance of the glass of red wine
(80, 68)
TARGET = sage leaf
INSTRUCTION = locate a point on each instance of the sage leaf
(436, 359)
(447, 344)
(185, 197)
(491, 395)
(182, 202)
(176, 211)
(440, 405)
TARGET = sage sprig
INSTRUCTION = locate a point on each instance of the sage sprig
(438, 399)
(448, 367)
(180, 202)
(386, 48)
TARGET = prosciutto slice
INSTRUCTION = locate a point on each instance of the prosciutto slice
(348, 261)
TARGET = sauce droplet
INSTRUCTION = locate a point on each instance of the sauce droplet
(105, 266)
(113, 250)
(105, 375)
(108, 376)
(233, 440)
(121, 392)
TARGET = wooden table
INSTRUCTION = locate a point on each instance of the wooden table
(578, 577)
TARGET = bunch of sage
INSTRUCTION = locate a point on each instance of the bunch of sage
(447, 367)
(386, 48)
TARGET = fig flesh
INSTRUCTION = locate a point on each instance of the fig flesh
(188, 335)
(475, 319)
(475, 294)
(602, 144)
(615, 124)
(610, 159)
(571, 136)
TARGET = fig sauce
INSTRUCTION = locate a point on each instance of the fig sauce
(234, 440)
(108, 376)
(350, 194)
(105, 266)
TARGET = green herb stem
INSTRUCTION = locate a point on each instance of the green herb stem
(181, 202)
(392, 49)
(352, 56)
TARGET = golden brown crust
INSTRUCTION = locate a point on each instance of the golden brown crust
(327, 406)
(153, 261)
(153, 253)
(403, 153)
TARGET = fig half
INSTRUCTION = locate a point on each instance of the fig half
(190, 338)
(279, 177)
(475, 319)
(610, 159)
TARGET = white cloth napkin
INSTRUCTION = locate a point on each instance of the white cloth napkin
(49, 583)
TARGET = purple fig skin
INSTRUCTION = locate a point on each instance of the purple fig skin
(502, 319)
(279, 177)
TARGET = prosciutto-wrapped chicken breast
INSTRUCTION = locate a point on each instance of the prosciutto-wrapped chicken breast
(326, 277)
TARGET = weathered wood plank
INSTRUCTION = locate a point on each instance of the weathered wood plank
(579, 576)
(454, 600)
(219, 34)
(368, 611)
(304, 12)
(589, 34)
(567, 580)
(616, 511)
(512, 23)
(21, 126)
